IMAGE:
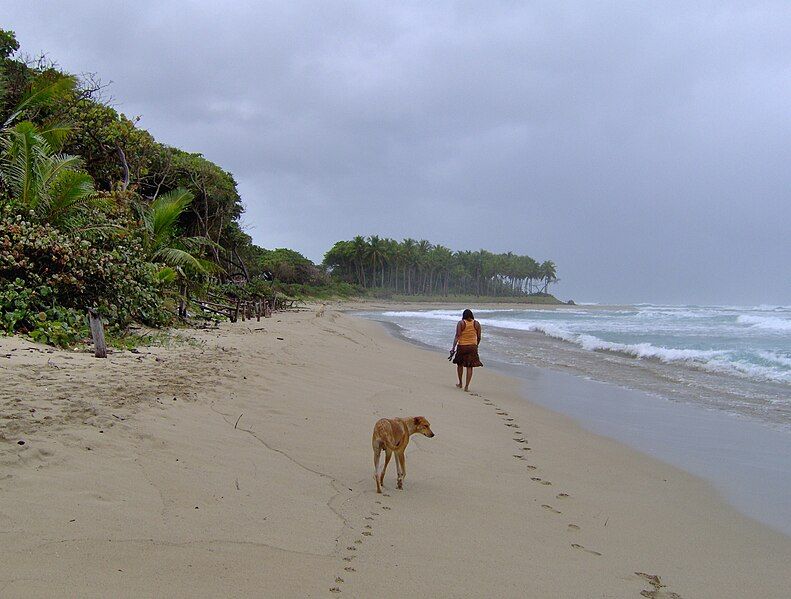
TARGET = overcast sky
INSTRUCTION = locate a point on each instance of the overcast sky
(645, 147)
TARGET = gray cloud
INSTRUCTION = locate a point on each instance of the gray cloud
(643, 147)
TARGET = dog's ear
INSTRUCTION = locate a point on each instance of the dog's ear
(417, 420)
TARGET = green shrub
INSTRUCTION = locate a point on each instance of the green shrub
(48, 278)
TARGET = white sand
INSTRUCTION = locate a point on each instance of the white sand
(174, 499)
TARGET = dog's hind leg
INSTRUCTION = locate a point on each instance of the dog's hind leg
(388, 455)
(378, 476)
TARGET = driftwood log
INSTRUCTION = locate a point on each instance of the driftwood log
(97, 333)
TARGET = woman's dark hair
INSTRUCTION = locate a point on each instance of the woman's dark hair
(467, 315)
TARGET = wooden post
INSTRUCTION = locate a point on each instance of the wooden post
(97, 332)
(236, 311)
(258, 309)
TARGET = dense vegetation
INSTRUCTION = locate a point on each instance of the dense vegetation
(94, 212)
(421, 268)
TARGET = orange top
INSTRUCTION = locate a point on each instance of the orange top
(469, 336)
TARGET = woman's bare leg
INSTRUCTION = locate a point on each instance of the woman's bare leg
(459, 371)
(469, 378)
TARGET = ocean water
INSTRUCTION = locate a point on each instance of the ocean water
(731, 358)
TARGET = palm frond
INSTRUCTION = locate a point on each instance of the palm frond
(55, 133)
(70, 194)
(45, 90)
(163, 215)
(210, 267)
(175, 257)
(24, 152)
(58, 163)
(195, 244)
(165, 275)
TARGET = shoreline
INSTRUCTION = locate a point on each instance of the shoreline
(258, 476)
(678, 433)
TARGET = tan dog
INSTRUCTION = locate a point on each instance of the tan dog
(392, 435)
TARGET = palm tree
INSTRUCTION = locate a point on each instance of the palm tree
(548, 273)
(375, 252)
(163, 242)
(40, 179)
(52, 185)
(360, 248)
(408, 255)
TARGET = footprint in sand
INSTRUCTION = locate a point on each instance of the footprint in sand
(573, 527)
(367, 533)
(384, 507)
(368, 526)
(549, 508)
(531, 467)
(525, 449)
(519, 457)
(348, 558)
(335, 590)
(513, 425)
(520, 439)
(338, 579)
(351, 548)
(657, 587)
(374, 513)
(368, 518)
(502, 413)
(350, 569)
(576, 546)
(562, 495)
(385, 495)
(358, 542)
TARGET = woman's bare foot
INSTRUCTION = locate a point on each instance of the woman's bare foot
(467, 389)
(458, 386)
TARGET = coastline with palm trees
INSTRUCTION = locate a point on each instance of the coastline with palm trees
(418, 268)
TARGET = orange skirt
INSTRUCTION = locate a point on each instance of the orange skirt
(467, 356)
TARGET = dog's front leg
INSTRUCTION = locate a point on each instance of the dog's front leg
(401, 463)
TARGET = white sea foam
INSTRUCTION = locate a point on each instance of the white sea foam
(724, 340)
(775, 357)
(593, 343)
(767, 323)
(432, 314)
(719, 361)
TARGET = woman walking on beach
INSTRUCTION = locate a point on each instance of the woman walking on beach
(465, 346)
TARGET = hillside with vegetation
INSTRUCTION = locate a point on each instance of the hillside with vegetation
(96, 213)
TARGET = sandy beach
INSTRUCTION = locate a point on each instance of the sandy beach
(237, 462)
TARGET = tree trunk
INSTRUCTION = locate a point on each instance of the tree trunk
(97, 332)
